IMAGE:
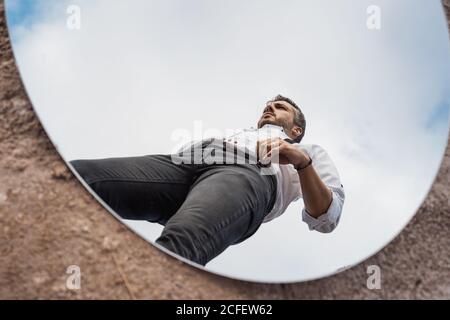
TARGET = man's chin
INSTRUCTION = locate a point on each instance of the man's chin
(266, 121)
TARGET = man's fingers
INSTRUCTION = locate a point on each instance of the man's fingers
(273, 155)
(263, 149)
(268, 150)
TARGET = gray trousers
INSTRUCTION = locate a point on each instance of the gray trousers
(204, 208)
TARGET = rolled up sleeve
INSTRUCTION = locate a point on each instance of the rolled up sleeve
(328, 173)
(328, 221)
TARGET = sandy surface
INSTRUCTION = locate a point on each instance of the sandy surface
(48, 221)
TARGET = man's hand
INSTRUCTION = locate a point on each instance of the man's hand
(316, 195)
(279, 151)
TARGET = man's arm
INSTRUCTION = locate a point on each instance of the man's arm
(316, 195)
(323, 194)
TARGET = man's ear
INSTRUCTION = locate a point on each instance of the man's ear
(296, 131)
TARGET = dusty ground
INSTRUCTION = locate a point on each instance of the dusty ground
(48, 221)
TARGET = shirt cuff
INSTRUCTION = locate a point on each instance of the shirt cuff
(328, 221)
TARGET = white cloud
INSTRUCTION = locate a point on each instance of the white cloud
(138, 70)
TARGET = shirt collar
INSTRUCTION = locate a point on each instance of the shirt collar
(272, 126)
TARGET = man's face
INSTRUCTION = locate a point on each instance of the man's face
(278, 113)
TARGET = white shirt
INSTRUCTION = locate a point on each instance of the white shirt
(288, 182)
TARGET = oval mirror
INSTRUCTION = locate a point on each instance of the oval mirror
(122, 86)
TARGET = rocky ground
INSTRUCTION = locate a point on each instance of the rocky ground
(48, 221)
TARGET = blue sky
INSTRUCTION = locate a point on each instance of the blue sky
(26, 13)
(22, 12)
(439, 117)
(378, 102)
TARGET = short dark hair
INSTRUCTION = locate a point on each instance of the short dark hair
(299, 118)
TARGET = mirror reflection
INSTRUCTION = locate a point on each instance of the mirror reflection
(264, 141)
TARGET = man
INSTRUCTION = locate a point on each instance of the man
(206, 206)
